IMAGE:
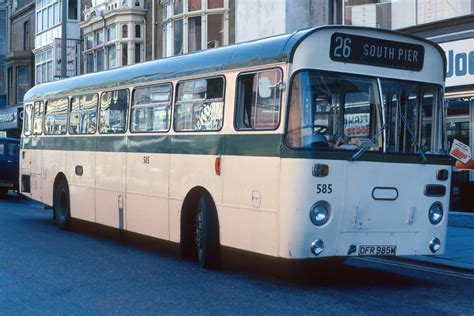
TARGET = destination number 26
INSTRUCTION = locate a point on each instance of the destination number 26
(324, 188)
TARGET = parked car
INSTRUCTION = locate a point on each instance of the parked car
(9, 164)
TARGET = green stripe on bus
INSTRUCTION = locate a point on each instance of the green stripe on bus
(266, 145)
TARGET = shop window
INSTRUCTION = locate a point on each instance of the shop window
(114, 111)
(199, 105)
(151, 109)
(215, 4)
(215, 30)
(194, 5)
(258, 100)
(178, 37)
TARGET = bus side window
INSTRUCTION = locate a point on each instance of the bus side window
(114, 111)
(151, 109)
(427, 105)
(83, 114)
(258, 100)
(27, 120)
(38, 114)
(55, 122)
(199, 105)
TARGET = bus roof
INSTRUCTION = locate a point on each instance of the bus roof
(259, 52)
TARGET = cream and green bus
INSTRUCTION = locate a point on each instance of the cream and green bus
(325, 142)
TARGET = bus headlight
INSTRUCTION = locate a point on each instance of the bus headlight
(319, 213)
(435, 214)
(435, 245)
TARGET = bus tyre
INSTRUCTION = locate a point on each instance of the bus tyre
(207, 233)
(61, 207)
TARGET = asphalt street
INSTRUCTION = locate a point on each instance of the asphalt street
(44, 270)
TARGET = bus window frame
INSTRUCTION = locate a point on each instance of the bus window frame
(30, 133)
(96, 111)
(33, 115)
(224, 87)
(236, 97)
(171, 107)
(128, 111)
(46, 103)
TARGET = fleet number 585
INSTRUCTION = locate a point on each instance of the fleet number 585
(324, 188)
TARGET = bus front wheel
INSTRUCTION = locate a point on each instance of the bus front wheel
(61, 207)
(206, 233)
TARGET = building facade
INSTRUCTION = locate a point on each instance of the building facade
(114, 34)
(19, 63)
(48, 33)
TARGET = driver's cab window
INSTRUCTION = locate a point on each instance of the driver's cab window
(334, 111)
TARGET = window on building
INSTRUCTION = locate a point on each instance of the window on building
(215, 4)
(199, 105)
(11, 92)
(114, 111)
(111, 57)
(100, 60)
(194, 5)
(22, 82)
(90, 63)
(44, 66)
(89, 41)
(258, 100)
(111, 33)
(26, 35)
(138, 33)
(192, 25)
(55, 122)
(151, 109)
(125, 31)
(124, 54)
(83, 117)
(72, 10)
(215, 30)
(178, 37)
(194, 34)
(138, 54)
(99, 38)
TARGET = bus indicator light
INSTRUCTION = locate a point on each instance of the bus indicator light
(442, 175)
(320, 170)
(217, 166)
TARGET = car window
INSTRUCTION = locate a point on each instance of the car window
(13, 150)
(2, 149)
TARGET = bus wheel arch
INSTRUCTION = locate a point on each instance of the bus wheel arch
(200, 228)
(61, 202)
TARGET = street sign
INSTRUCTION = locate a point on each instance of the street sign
(460, 151)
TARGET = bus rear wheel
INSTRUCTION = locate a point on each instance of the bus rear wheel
(61, 207)
(206, 233)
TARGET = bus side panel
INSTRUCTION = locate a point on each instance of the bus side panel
(55, 163)
(147, 194)
(110, 188)
(249, 215)
(80, 173)
(186, 172)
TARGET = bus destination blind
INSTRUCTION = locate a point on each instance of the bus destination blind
(349, 48)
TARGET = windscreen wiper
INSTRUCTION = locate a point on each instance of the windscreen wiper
(413, 138)
(361, 151)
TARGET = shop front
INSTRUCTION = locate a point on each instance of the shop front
(11, 118)
(460, 114)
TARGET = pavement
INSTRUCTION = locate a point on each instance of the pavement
(459, 253)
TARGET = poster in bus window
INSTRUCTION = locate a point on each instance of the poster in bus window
(357, 124)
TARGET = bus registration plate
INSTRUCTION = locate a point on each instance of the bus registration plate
(365, 250)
